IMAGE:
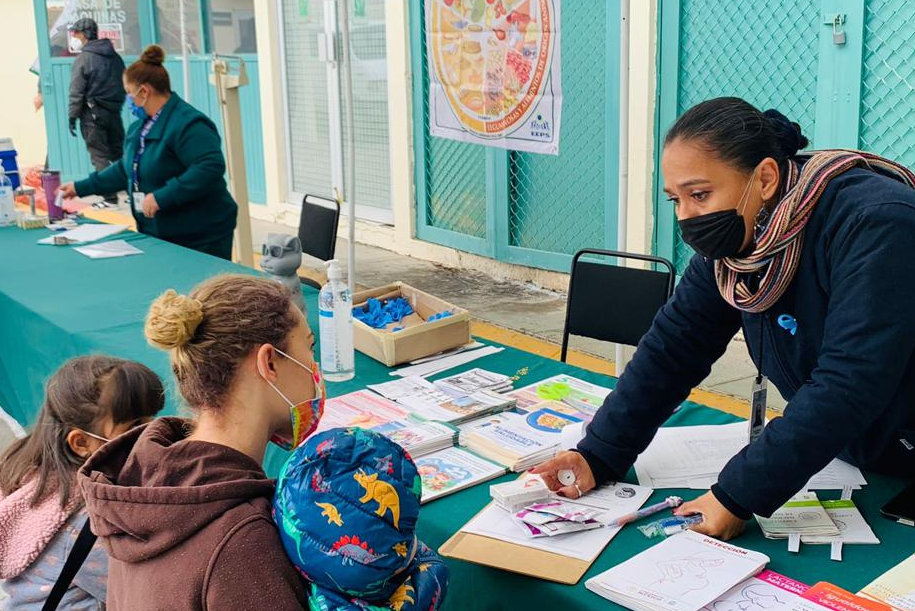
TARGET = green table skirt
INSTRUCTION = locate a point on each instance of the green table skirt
(56, 304)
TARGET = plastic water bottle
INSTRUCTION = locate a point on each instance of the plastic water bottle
(335, 326)
(7, 203)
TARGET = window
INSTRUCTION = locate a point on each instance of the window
(116, 19)
(231, 26)
(168, 20)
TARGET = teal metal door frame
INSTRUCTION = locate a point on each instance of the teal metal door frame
(69, 154)
(497, 241)
(838, 95)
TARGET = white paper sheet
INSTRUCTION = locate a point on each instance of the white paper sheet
(86, 233)
(616, 500)
(403, 387)
(443, 364)
(108, 250)
(693, 456)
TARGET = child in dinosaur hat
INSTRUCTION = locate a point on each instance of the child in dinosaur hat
(346, 506)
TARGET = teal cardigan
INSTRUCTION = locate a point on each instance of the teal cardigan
(184, 168)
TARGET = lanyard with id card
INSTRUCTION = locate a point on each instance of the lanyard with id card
(137, 195)
(758, 396)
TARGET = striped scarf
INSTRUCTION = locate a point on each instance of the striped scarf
(778, 250)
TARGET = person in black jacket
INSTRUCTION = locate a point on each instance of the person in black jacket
(96, 96)
(824, 243)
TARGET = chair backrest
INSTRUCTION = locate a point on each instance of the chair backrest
(318, 226)
(613, 303)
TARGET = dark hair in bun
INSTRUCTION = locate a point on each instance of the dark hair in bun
(153, 55)
(148, 70)
(739, 133)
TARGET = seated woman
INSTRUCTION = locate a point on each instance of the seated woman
(183, 506)
(89, 400)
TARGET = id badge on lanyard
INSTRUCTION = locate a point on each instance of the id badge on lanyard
(137, 195)
(758, 407)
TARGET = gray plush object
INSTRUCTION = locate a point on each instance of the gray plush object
(282, 256)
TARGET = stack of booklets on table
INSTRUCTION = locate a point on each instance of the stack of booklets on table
(685, 572)
(803, 515)
(361, 409)
(472, 381)
(519, 440)
(419, 438)
(452, 470)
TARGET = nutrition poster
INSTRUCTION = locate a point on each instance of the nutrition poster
(495, 76)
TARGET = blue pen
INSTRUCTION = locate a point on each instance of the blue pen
(669, 526)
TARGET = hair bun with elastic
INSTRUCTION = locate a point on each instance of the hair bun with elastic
(172, 320)
(153, 55)
(787, 132)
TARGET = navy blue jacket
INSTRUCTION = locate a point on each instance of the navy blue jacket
(848, 374)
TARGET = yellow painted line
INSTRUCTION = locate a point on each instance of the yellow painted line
(550, 350)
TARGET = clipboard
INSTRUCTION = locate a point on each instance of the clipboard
(515, 558)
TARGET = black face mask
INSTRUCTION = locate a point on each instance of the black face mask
(715, 235)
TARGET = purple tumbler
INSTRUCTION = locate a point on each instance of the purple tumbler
(50, 182)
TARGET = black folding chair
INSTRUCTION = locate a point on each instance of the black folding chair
(318, 224)
(613, 303)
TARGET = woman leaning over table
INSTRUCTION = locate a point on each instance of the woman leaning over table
(173, 167)
(811, 256)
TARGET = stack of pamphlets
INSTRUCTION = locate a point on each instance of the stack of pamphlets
(803, 515)
(453, 469)
(519, 440)
(419, 438)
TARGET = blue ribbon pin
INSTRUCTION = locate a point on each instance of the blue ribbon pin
(787, 322)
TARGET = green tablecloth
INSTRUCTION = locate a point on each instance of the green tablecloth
(56, 304)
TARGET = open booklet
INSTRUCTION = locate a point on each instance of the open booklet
(685, 572)
(582, 399)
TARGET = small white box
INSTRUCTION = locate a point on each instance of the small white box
(515, 496)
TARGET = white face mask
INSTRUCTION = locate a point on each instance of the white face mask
(99, 437)
(76, 45)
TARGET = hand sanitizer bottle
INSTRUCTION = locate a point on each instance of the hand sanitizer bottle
(335, 326)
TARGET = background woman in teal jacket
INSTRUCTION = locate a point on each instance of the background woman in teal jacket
(173, 167)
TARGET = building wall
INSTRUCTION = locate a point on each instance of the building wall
(18, 119)
(399, 238)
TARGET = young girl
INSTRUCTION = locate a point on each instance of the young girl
(88, 401)
(183, 506)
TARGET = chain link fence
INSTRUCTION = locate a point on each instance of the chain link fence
(888, 86)
(764, 52)
(557, 203)
(455, 197)
(545, 205)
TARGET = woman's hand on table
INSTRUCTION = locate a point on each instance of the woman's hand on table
(150, 206)
(716, 522)
(68, 191)
(571, 461)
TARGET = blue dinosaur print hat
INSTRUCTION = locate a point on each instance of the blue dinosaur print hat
(346, 506)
